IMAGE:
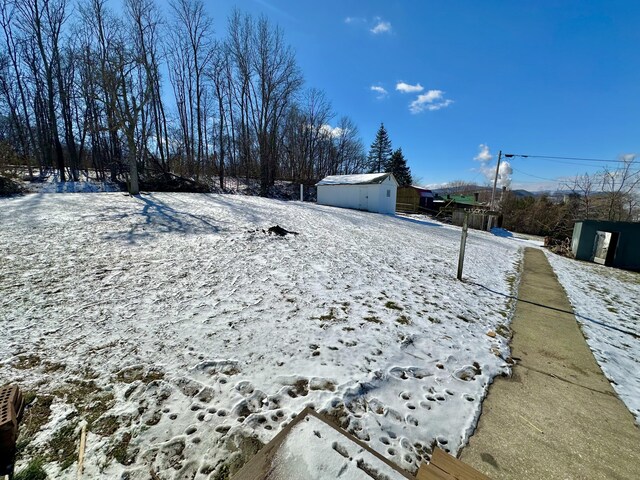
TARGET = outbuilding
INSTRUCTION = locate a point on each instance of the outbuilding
(373, 192)
(414, 199)
(609, 243)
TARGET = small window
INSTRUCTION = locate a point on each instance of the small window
(388, 193)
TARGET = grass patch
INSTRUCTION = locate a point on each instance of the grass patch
(403, 320)
(120, 450)
(106, 425)
(36, 414)
(52, 367)
(503, 330)
(33, 471)
(89, 399)
(330, 316)
(63, 445)
(37, 411)
(393, 305)
(27, 361)
(372, 319)
(133, 374)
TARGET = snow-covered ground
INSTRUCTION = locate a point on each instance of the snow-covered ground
(52, 184)
(607, 305)
(185, 336)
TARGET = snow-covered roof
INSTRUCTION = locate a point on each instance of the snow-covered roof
(360, 179)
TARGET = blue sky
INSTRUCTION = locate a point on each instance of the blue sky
(541, 77)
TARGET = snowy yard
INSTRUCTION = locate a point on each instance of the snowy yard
(185, 337)
(607, 305)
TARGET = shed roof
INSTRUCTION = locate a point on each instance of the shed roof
(359, 179)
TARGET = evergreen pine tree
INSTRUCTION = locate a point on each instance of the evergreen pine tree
(380, 151)
(398, 166)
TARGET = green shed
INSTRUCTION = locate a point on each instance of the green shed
(616, 244)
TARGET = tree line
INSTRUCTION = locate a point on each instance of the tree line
(609, 194)
(138, 94)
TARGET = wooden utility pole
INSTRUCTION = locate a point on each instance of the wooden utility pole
(463, 243)
(302, 192)
(495, 182)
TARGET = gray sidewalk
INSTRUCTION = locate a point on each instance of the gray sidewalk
(557, 417)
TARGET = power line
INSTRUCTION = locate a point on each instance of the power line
(535, 176)
(511, 155)
(587, 165)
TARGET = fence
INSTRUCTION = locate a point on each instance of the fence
(478, 219)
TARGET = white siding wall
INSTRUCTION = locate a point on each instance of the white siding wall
(347, 196)
(387, 204)
(360, 197)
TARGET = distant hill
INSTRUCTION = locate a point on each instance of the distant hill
(459, 189)
(524, 193)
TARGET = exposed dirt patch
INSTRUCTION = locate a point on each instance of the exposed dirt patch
(25, 362)
(393, 305)
(138, 373)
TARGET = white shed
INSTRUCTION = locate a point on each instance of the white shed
(374, 192)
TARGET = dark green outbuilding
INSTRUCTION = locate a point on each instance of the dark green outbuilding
(616, 244)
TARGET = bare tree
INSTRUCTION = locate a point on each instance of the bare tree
(145, 21)
(190, 53)
(11, 79)
(219, 75)
(620, 187)
(277, 78)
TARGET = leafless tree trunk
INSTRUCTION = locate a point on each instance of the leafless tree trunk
(42, 20)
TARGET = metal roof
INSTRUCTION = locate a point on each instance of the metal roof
(360, 179)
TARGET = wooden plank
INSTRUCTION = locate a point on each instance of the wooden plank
(431, 472)
(454, 467)
(361, 444)
(83, 440)
(259, 466)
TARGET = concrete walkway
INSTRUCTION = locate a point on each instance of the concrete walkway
(557, 416)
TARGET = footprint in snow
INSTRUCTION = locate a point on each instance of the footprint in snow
(411, 420)
(245, 388)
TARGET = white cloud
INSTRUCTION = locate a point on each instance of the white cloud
(355, 20)
(432, 100)
(379, 90)
(407, 88)
(381, 26)
(333, 132)
(483, 154)
(504, 172)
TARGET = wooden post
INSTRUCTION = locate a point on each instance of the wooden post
(463, 243)
(301, 192)
(83, 439)
(495, 182)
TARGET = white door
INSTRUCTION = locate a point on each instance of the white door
(364, 199)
